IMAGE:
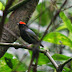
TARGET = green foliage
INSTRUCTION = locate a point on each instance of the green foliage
(3, 2)
(3, 66)
(1, 6)
(42, 59)
(57, 57)
(66, 21)
(66, 69)
(61, 27)
(70, 36)
(44, 19)
(60, 57)
(58, 38)
(9, 62)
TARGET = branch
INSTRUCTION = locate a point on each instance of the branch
(60, 67)
(9, 3)
(15, 45)
(18, 5)
(51, 59)
(67, 8)
(66, 62)
(29, 48)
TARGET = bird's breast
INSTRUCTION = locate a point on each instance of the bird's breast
(26, 37)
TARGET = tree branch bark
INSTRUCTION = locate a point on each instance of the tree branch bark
(61, 66)
(9, 3)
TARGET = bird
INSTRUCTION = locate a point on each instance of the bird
(27, 34)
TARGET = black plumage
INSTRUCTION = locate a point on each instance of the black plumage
(27, 34)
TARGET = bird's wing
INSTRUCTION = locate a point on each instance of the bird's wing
(32, 34)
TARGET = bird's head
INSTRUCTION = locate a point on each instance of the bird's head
(22, 24)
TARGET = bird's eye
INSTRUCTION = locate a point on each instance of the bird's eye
(17, 23)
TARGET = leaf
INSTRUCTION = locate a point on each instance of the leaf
(57, 57)
(3, 2)
(51, 65)
(62, 27)
(70, 36)
(43, 59)
(39, 7)
(66, 69)
(3, 65)
(60, 57)
(44, 19)
(58, 38)
(9, 62)
(1, 6)
(66, 21)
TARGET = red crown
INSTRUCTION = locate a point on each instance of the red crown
(22, 22)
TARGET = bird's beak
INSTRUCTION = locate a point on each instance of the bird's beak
(17, 23)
